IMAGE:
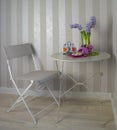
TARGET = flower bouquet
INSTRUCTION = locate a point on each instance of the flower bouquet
(86, 48)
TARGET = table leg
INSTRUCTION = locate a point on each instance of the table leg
(60, 73)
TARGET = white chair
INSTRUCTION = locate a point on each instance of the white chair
(42, 77)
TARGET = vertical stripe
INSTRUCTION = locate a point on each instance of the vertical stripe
(82, 21)
(31, 28)
(14, 31)
(19, 33)
(109, 46)
(43, 33)
(8, 31)
(14, 21)
(89, 14)
(19, 21)
(37, 43)
(68, 17)
(62, 36)
(103, 39)
(114, 52)
(114, 28)
(0, 43)
(55, 34)
(103, 25)
(49, 33)
(89, 9)
(75, 19)
(31, 21)
(96, 33)
(68, 21)
(110, 25)
(3, 68)
(96, 44)
(55, 27)
(25, 31)
(62, 33)
(8, 22)
(25, 21)
(75, 35)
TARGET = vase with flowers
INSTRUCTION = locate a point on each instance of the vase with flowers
(86, 47)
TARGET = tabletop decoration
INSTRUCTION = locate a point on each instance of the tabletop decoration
(86, 48)
(69, 48)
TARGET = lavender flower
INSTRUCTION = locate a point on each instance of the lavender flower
(90, 24)
(88, 27)
(75, 25)
(85, 33)
(93, 21)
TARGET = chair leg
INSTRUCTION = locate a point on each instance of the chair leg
(33, 118)
(59, 106)
(53, 96)
(17, 102)
(21, 99)
(20, 95)
(14, 104)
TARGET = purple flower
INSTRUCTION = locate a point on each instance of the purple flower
(88, 27)
(90, 47)
(90, 24)
(86, 32)
(75, 25)
(83, 50)
(93, 21)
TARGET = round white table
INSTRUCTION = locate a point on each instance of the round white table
(64, 58)
(60, 57)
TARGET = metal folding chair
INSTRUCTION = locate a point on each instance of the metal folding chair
(40, 76)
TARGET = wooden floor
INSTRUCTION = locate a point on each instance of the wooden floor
(73, 115)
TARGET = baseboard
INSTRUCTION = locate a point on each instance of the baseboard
(89, 95)
(114, 112)
(72, 94)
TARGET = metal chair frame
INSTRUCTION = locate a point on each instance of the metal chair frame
(23, 95)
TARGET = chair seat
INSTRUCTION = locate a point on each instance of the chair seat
(40, 76)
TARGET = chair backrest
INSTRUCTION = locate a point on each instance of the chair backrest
(15, 51)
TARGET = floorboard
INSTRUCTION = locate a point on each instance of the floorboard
(73, 115)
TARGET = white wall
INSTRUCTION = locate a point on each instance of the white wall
(115, 59)
(45, 23)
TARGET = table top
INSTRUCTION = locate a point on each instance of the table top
(64, 58)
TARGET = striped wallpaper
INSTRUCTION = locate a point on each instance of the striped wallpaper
(45, 23)
(115, 57)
